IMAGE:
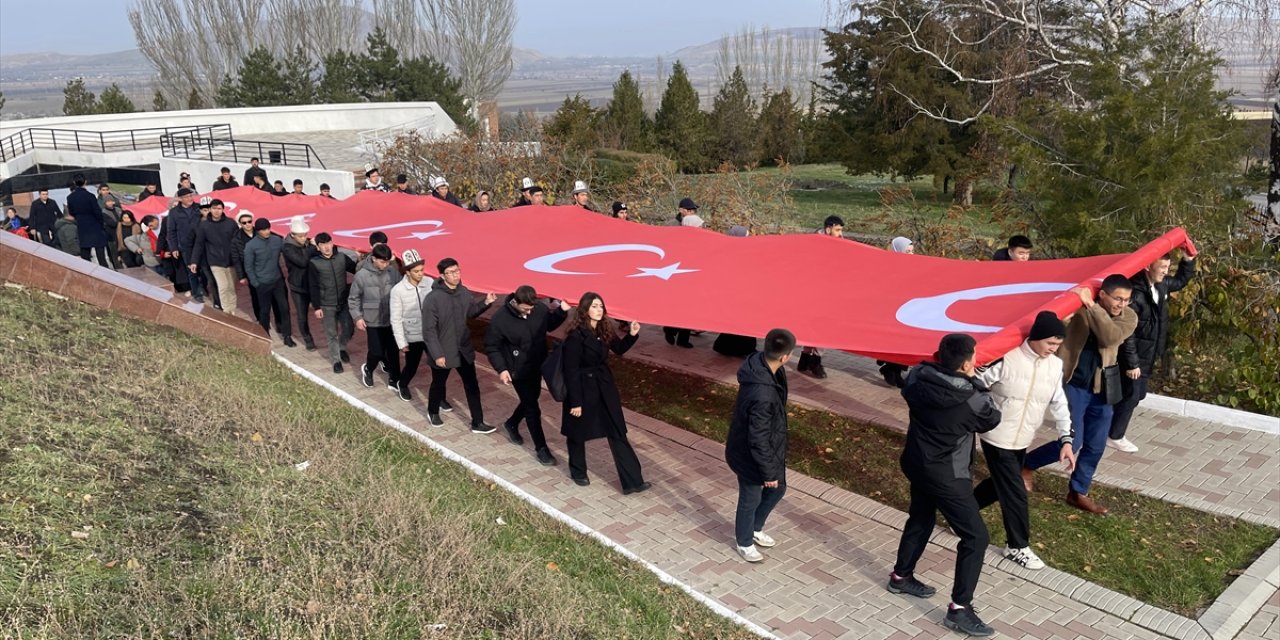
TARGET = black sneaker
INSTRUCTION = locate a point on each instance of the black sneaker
(544, 456)
(445, 406)
(199, 299)
(481, 427)
(582, 482)
(434, 419)
(393, 385)
(513, 433)
(366, 376)
(288, 342)
(337, 367)
(910, 586)
(310, 344)
(404, 393)
(643, 486)
(966, 621)
(344, 356)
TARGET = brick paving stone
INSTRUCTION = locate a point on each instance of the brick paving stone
(824, 580)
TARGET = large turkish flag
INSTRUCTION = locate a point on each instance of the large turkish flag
(830, 292)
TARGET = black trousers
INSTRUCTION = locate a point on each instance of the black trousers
(466, 371)
(102, 255)
(302, 302)
(131, 259)
(1122, 412)
(382, 348)
(954, 498)
(529, 389)
(624, 458)
(412, 358)
(271, 296)
(253, 297)
(1005, 485)
(677, 335)
(755, 503)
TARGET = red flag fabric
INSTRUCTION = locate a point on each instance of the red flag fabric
(831, 293)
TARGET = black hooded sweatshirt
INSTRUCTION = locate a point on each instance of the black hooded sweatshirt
(518, 344)
(946, 409)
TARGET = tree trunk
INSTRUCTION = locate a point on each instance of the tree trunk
(946, 184)
(964, 192)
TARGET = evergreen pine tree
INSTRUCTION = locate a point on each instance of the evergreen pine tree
(195, 100)
(624, 119)
(78, 100)
(679, 125)
(575, 125)
(298, 80)
(159, 102)
(780, 130)
(733, 123)
(338, 82)
(113, 100)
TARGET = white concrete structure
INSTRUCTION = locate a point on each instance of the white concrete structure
(203, 173)
(257, 123)
(248, 122)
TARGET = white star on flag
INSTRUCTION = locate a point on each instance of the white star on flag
(661, 272)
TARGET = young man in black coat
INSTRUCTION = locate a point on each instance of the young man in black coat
(516, 343)
(44, 213)
(445, 313)
(947, 406)
(1150, 301)
(756, 448)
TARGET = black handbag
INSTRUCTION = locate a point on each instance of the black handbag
(553, 373)
(1112, 385)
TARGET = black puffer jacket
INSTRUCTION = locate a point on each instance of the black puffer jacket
(756, 448)
(327, 279)
(1152, 335)
(946, 409)
(518, 344)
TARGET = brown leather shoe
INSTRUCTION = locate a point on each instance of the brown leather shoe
(1083, 502)
(1029, 479)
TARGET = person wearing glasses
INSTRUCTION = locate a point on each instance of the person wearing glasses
(1090, 365)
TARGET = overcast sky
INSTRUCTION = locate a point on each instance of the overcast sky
(555, 27)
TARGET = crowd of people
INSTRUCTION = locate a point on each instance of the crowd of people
(1087, 374)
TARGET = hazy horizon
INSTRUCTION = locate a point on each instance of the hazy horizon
(553, 27)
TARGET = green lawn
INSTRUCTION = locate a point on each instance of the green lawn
(148, 489)
(1169, 556)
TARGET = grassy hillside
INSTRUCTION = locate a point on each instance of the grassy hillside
(149, 489)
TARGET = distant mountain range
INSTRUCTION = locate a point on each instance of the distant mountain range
(33, 82)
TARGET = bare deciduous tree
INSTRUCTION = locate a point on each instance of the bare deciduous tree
(472, 37)
(318, 27)
(1056, 38)
(772, 61)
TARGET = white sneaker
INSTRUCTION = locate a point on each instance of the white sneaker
(1025, 557)
(1122, 444)
(750, 554)
(763, 539)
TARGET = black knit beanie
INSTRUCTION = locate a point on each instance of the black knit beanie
(1047, 325)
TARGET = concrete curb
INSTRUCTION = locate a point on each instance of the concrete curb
(711, 603)
(1212, 413)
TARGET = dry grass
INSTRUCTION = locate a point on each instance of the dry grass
(149, 490)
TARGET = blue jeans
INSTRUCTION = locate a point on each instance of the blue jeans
(1091, 419)
(755, 502)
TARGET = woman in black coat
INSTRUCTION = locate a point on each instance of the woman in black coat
(592, 408)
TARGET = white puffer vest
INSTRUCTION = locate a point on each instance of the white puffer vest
(1027, 382)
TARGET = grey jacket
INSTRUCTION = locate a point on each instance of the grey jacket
(262, 259)
(444, 324)
(370, 296)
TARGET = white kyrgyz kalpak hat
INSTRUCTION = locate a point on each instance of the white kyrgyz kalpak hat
(438, 181)
(411, 259)
(579, 187)
(299, 225)
(526, 184)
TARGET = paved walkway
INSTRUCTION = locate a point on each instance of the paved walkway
(826, 577)
(1206, 465)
